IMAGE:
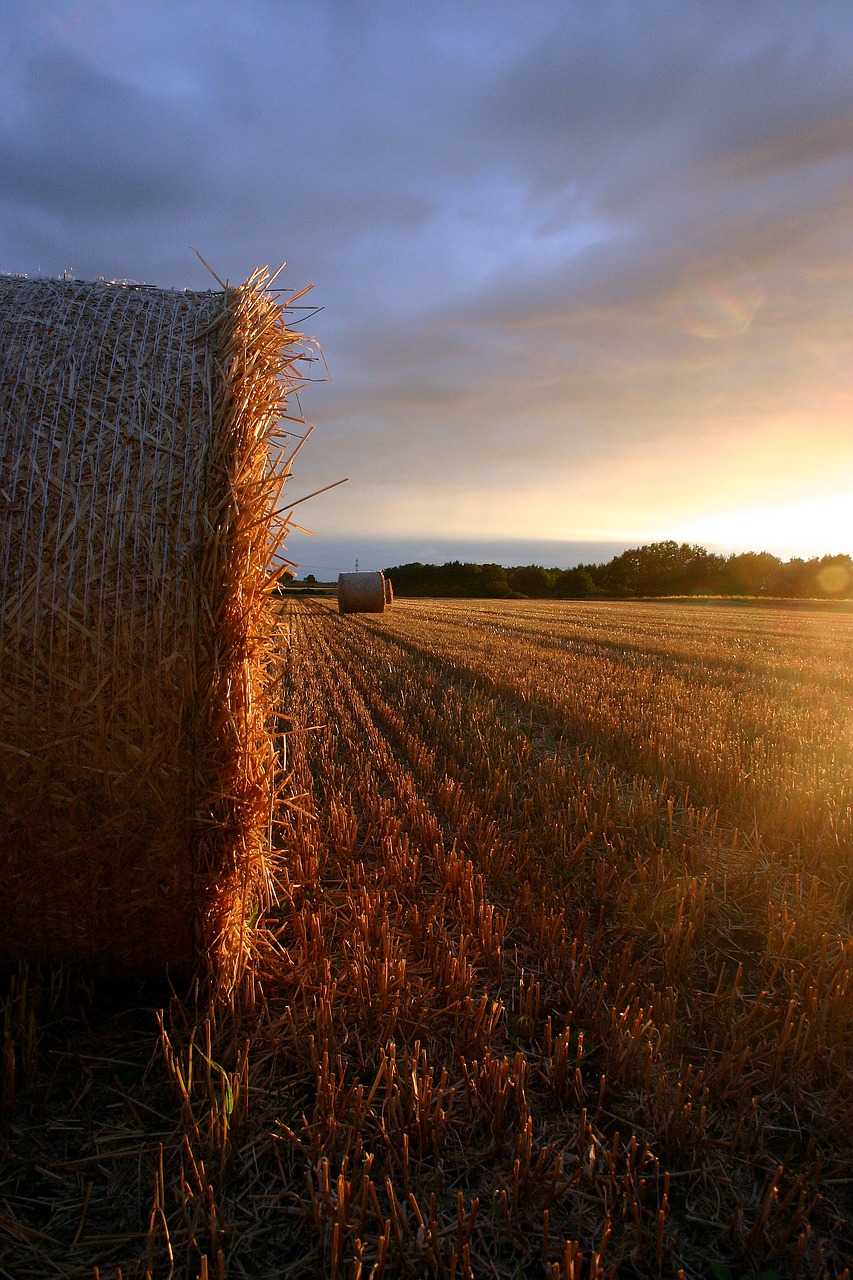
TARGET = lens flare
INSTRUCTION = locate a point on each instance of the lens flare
(833, 579)
(719, 299)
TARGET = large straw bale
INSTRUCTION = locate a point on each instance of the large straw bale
(361, 593)
(140, 470)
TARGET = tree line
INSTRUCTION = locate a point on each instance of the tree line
(659, 569)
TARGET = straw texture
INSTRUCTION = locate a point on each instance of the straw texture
(140, 469)
(361, 592)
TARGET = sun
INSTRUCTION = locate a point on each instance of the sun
(815, 527)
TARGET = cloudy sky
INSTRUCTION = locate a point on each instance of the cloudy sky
(585, 266)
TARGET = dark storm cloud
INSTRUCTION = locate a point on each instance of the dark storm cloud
(85, 145)
(712, 147)
(616, 99)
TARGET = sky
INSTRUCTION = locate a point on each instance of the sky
(584, 269)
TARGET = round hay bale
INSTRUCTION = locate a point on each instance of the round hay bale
(389, 592)
(361, 592)
(139, 479)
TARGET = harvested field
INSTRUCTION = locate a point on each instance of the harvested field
(558, 982)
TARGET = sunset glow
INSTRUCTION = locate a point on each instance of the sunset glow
(810, 528)
(584, 272)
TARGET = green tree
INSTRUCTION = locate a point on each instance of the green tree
(530, 580)
(575, 584)
(752, 573)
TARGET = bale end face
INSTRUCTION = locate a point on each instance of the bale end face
(361, 592)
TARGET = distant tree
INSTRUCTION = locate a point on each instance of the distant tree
(795, 579)
(618, 577)
(704, 573)
(656, 569)
(575, 584)
(752, 573)
(450, 579)
(494, 582)
(530, 580)
(663, 569)
(309, 577)
(414, 579)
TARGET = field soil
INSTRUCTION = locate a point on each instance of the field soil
(558, 980)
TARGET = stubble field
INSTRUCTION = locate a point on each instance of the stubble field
(559, 980)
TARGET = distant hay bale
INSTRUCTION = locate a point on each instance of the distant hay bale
(361, 592)
(140, 468)
(389, 592)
